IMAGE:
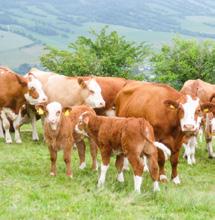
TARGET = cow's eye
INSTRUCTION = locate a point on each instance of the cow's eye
(32, 89)
(92, 92)
(58, 113)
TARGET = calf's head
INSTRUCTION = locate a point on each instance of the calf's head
(81, 126)
(91, 93)
(35, 93)
(53, 113)
(188, 111)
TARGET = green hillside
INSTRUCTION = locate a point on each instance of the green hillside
(60, 22)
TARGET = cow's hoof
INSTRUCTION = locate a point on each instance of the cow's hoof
(52, 174)
(18, 141)
(120, 177)
(211, 156)
(156, 187)
(82, 166)
(163, 178)
(70, 176)
(176, 180)
(9, 141)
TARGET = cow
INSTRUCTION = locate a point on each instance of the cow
(16, 91)
(131, 137)
(172, 115)
(205, 92)
(59, 132)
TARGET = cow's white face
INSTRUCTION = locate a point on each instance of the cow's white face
(35, 94)
(53, 115)
(95, 99)
(189, 120)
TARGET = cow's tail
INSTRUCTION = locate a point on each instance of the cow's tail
(164, 148)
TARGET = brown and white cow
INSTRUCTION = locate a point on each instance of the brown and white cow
(59, 132)
(131, 137)
(205, 92)
(15, 91)
(172, 115)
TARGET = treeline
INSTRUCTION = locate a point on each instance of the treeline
(109, 54)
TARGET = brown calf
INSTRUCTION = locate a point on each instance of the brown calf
(59, 132)
(130, 137)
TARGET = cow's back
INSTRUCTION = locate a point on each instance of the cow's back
(63, 89)
(198, 88)
(11, 90)
(147, 100)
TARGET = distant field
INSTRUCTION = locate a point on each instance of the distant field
(11, 41)
(28, 192)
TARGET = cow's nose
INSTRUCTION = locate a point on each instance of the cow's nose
(102, 104)
(189, 127)
(44, 99)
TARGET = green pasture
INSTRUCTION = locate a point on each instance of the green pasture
(28, 192)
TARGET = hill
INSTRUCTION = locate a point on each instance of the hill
(59, 22)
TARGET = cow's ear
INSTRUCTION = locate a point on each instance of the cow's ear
(212, 97)
(41, 109)
(67, 110)
(30, 76)
(208, 107)
(171, 104)
(82, 83)
(22, 81)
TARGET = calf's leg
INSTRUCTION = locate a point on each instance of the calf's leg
(105, 154)
(119, 167)
(67, 159)
(93, 153)
(53, 158)
(174, 163)
(1, 129)
(81, 153)
(137, 166)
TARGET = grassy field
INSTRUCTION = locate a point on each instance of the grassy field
(28, 192)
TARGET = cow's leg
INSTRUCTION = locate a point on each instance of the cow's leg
(105, 154)
(16, 126)
(35, 136)
(187, 152)
(137, 166)
(193, 147)
(174, 163)
(81, 153)
(125, 164)
(1, 129)
(119, 167)
(161, 163)
(6, 126)
(67, 159)
(145, 161)
(53, 158)
(211, 154)
(201, 134)
(154, 171)
(93, 153)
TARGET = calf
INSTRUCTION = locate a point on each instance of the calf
(130, 137)
(59, 132)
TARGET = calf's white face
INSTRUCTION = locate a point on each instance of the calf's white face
(35, 94)
(95, 99)
(189, 120)
(54, 110)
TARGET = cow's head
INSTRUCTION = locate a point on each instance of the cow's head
(53, 113)
(81, 126)
(35, 93)
(209, 110)
(91, 93)
(188, 110)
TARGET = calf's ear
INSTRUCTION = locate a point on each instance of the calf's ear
(67, 110)
(208, 107)
(171, 104)
(40, 108)
(82, 83)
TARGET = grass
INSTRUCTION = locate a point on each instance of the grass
(28, 192)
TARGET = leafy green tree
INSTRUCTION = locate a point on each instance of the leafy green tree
(184, 60)
(105, 53)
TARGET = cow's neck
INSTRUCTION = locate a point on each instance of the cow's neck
(94, 125)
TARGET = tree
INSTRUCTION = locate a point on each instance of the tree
(184, 60)
(107, 54)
